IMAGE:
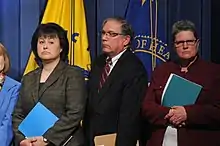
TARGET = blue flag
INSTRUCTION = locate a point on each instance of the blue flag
(148, 20)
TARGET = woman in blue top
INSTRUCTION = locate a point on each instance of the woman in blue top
(9, 89)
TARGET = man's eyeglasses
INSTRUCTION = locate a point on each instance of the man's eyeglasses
(110, 33)
(188, 42)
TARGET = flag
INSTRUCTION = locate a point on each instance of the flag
(70, 15)
(80, 39)
(147, 18)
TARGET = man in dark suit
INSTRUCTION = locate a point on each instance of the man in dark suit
(115, 89)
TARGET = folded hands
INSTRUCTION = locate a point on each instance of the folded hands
(177, 116)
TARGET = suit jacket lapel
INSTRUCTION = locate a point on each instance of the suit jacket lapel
(96, 79)
(58, 70)
(113, 75)
(5, 97)
(36, 80)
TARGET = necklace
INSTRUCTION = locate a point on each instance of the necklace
(185, 69)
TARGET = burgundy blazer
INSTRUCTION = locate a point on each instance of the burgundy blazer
(203, 118)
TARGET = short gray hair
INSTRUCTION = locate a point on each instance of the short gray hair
(126, 28)
(183, 25)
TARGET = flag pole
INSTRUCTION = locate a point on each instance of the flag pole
(72, 31)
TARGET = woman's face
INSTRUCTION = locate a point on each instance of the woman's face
(186, 44)
(48, 48)
(2, 63)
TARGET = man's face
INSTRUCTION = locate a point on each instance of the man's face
(186, 44)
(113, 41)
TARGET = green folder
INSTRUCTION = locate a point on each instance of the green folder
(179, 91)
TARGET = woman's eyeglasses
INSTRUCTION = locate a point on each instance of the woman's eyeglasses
(188, 42)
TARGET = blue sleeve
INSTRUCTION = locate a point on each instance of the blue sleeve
(6, 131)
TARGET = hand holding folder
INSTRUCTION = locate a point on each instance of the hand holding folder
(38, 121)
(179, 91)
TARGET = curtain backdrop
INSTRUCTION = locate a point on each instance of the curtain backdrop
(19, 18)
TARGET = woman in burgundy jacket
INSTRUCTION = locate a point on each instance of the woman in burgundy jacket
(197, 124)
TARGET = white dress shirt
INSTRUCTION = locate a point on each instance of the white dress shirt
(115, 60)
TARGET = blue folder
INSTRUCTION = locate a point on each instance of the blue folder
(38, 121)
(180, 91)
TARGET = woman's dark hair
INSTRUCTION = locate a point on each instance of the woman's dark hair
(51, 30)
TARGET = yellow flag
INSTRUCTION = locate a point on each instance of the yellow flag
(70, 15)
(81, 53)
